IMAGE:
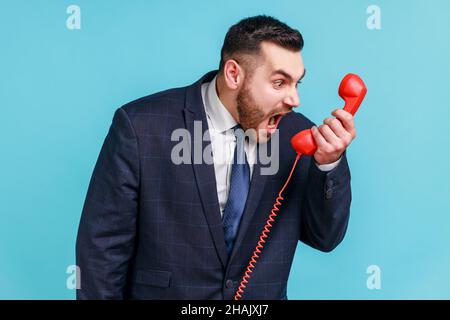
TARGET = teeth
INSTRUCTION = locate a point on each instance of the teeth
(272, 121)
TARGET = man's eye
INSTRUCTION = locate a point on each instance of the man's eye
(279, 83)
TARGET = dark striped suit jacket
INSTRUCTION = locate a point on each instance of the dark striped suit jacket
(152, 229)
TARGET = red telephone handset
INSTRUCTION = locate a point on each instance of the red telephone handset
(353, 90)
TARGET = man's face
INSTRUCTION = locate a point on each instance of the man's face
(272, 90)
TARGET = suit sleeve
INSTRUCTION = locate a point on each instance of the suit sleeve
(325, 208)
(106, 234)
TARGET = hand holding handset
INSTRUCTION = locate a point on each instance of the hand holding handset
(353, 90)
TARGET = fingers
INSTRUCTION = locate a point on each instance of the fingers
(318, 138)
(336, 126)
(338, 129)
(346, 120)
(335, 134)
(324, 138)
(335, 143)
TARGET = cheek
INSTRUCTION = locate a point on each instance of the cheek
(270, 98)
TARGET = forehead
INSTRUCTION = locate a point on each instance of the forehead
(279, 58)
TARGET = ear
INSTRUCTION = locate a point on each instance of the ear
(233, 74)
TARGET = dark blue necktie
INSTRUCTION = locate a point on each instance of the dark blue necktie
(239, 186)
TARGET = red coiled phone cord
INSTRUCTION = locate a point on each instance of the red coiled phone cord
(263, 235)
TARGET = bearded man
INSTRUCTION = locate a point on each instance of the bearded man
(157, 227)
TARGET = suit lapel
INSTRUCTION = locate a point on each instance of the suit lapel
(204, 173)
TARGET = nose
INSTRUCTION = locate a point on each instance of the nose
(292, 99)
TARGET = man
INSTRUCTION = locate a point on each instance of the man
(156, 228)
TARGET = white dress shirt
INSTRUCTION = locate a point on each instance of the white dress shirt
(223, 142)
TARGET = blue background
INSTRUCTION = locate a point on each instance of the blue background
(60, 87)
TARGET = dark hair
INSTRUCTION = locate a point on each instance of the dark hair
(245, 37)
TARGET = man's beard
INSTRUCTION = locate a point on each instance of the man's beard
(250, 115)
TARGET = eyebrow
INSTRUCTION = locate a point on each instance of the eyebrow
(287, 75)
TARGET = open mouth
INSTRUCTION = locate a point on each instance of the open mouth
(273, 123)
